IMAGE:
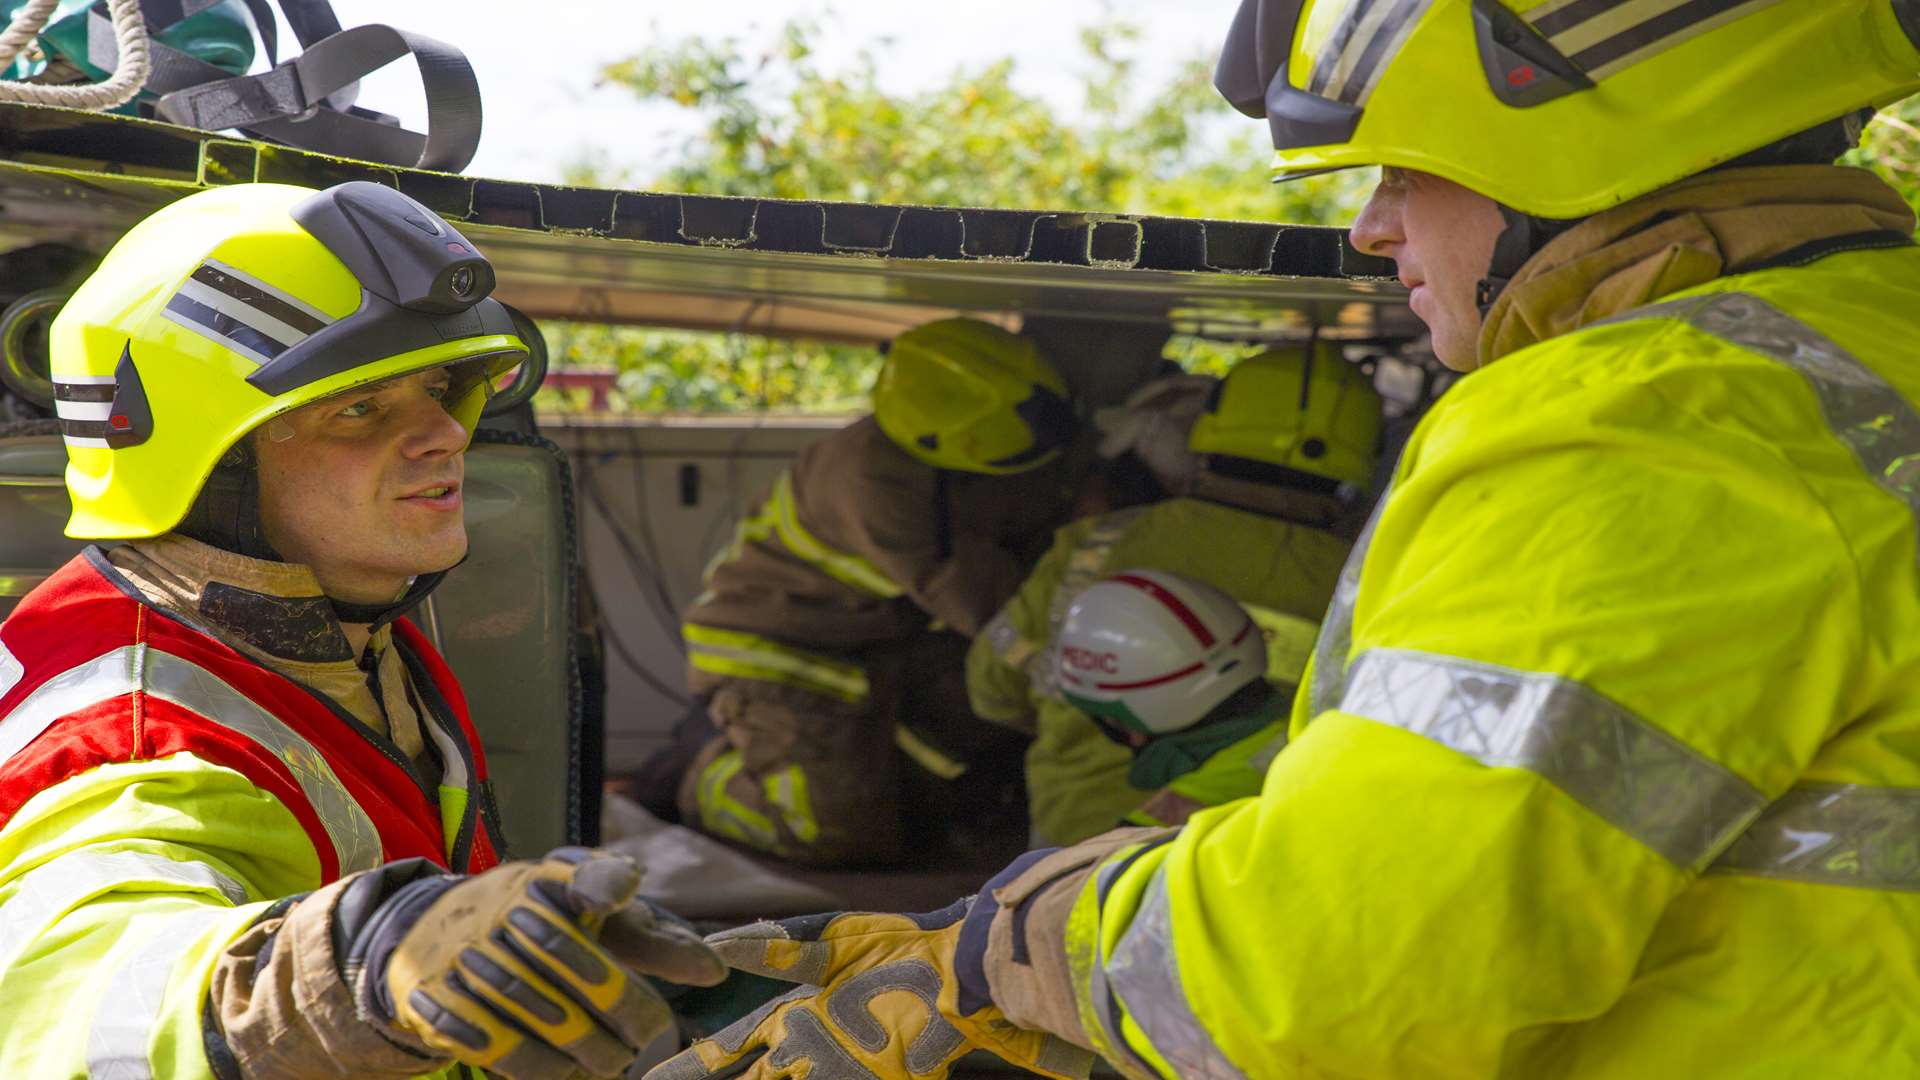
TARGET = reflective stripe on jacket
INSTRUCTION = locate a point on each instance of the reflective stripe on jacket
(158, 792)
(1609, 764)
(1076, 777)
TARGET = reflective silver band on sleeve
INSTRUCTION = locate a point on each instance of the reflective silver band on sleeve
(1834, 834)
(131, 668)
(1863, 410)
(129, 1010)
(1335, 642)
(46, 892)
(1630, 773)
(1144, 972)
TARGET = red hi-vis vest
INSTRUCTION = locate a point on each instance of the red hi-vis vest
(91, 674)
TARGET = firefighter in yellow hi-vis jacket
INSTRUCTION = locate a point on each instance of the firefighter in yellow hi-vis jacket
(1607, 763)
(842, 608)
(1261, 471)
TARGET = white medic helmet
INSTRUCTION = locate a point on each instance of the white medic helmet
(1154, 653)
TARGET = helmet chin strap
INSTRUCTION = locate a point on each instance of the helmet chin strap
(1520, 241)
(226, 514)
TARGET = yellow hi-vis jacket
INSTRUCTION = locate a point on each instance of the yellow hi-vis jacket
(1608, 764)
(1283, 574)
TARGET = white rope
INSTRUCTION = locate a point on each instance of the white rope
(129, 75)
(26, 25)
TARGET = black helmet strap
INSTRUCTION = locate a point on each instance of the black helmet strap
(226, 513)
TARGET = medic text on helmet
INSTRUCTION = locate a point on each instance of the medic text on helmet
(1079, 659)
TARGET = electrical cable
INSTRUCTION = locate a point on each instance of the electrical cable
(642, 568)
(659, 578)
(627, 657)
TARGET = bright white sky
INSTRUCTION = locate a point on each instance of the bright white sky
(536, 61)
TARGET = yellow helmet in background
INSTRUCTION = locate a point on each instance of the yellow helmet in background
(1306, 411)
(1558, 108)
(235, 305)
(964, 394)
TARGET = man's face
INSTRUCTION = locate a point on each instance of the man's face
(1442, 236)
(364, 487)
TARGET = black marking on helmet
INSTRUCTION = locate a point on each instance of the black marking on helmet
(1658, 29)
(1370, 52)
(1050, 419)
(128, 419)
(1522, 67)
(928, 442)
(240, 311)
(222, 325)
(95, 393)
(1575, 14)
(225, 281)
(1336, 46)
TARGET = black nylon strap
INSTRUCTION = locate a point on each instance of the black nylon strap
(276, 104)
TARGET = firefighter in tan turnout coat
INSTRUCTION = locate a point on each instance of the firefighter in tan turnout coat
(844, 604)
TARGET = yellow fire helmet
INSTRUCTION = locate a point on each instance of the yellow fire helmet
(1292, 411)
(235, 305)
(964, 394)
(1558, 108)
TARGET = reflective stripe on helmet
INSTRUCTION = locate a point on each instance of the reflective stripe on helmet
(1367, 37)
(1605, 36)
(242, 312)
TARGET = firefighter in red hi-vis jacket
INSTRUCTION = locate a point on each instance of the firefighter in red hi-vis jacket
(245, 829)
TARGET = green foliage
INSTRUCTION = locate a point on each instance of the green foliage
(1891, 147)
(688, 371)
(776, 122)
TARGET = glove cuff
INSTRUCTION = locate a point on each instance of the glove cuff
(970, 953)
(375, 911)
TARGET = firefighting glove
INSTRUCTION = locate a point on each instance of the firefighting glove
(881, 996)
(527, 970)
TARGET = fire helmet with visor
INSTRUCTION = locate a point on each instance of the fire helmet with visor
(966, 395)
(231, 307)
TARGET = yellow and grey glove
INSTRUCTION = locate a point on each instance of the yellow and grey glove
(527, 970)
(881, 996)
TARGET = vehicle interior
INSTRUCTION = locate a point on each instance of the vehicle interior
(590, 531)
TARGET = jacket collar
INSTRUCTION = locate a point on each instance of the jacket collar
(275, 608)
(1682, 236)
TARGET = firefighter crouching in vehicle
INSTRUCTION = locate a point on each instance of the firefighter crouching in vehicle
(245, 827)
(827, 653)
(1174, 671)
(1262, 466)
(1608, 759)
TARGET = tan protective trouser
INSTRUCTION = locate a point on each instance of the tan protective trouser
(828, 781)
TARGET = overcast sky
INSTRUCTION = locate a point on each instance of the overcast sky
(536, 61)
